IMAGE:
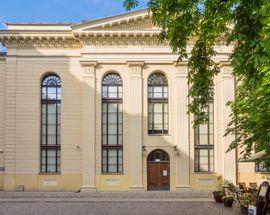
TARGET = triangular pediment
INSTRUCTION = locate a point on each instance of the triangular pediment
(133, 21)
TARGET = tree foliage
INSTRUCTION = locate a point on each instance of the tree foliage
(242, 23)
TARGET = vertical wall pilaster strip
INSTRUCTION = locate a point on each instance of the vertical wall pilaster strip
(2, 113)
(135, 126)
(227, 94)
(182, 129)
(89, 126)
(10, 123)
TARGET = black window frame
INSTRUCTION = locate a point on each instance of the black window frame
(112, 80)
(198, 147)
(157, 79)
(266, 169)
(51, 81)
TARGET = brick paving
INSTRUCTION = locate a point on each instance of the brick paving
(145, 203)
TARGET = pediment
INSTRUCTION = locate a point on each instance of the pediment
(133, 21)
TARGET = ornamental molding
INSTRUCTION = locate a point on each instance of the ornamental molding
(40, 42)
(89, 67)
(226, 69)
(136, 68)
(182, 69)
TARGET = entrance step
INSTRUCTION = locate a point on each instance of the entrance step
(151, 196)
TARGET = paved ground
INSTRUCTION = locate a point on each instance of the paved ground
(169, 203)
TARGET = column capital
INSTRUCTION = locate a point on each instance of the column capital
(226, 69)
(182, 69)
(89, 67)
(136, 67)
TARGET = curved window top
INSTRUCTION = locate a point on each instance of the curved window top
(157, 79)
(51, 81)
(112, 87)
(112, 79)
(158, 155)
(51, 87)
(157, 86)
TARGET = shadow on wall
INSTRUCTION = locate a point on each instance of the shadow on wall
(24, 120)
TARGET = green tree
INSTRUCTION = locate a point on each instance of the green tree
(242, 23)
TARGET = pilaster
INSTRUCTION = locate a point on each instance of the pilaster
(10, 123)
(227, 94)
(135, 126)
(89, 94)
(182, 128)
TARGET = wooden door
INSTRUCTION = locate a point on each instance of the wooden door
(158, 175)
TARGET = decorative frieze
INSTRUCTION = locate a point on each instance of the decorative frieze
(40, 42)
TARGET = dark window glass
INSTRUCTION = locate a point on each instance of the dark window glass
(261, 167)
(51, 124)
(158, 122)
(112, 124)
(204, 144)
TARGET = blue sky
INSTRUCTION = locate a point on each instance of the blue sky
(58, 10)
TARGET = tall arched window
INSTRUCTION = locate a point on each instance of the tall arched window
(157, 104)
(112, 124)
(50, 123)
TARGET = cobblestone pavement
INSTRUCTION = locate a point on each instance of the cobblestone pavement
(118, 203)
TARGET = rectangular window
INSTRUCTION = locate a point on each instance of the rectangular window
(204, 144)
(158, 117)
(260, 167)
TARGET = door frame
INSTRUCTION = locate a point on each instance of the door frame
(163, 159)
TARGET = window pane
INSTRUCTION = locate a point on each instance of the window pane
(51, 108)
(112, 108)
(52, 119)
(112, 92)
(51, 140)
(43, 93)
(157, 92)
(51, 93)
(203, 139)
(112, 168)
(104, 118)
(51, 168)
(112, 128)
(158, 118)
(104, 91)
(112, 118)
(104, 139)
(51, 129)
(158, 108)
(112, 139)
(203, 129)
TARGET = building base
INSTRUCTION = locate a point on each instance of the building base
(135, 188)
(183, 188)
(86, 188)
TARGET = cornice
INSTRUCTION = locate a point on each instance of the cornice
(17, 41)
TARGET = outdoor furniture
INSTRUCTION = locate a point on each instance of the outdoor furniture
(253, 185)
(242, 187)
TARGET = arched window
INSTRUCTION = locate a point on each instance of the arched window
(112, 124)
(157, 104)
(50, 123)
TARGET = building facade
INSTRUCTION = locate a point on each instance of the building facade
(102, 105)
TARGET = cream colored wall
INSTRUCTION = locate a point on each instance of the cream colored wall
(21, 101)
(2, 117)
(22, 149)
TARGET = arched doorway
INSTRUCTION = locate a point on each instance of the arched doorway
(158, 170)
